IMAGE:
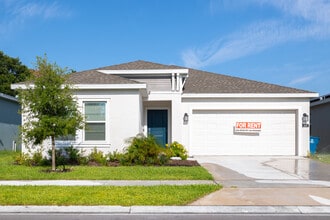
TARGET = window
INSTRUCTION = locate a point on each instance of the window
(95, 121)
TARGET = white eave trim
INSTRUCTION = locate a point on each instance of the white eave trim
(146, 71)
(110, 86)
(249, 95)
(92, 86)
(21, 86)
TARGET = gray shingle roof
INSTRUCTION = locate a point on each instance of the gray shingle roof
(139, 65)
(206, 82)
(95, 77)
(197, 82)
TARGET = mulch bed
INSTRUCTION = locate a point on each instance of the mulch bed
(186, 163)
(173, 163)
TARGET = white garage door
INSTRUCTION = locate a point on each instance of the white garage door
(213, 132)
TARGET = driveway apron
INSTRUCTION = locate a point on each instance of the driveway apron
(266, 180)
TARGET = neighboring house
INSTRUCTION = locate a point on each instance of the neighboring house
(10, 120)
(209, 113)
(320, 121)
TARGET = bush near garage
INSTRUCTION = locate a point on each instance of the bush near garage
(177, 150)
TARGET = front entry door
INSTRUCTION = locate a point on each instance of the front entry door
(157, 125)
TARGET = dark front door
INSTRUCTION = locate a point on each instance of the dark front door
(157, 125)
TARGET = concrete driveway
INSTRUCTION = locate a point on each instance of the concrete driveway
(259, 180)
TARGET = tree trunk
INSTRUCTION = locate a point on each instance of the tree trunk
(53, 154)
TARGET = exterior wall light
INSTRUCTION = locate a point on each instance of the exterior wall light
(305, 120)
(185, 118)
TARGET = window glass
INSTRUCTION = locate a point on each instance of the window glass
(95, 121)
(95, 132)
(95, 111)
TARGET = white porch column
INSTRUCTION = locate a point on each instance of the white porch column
(177, 82)
(177, 118)
(173, 82)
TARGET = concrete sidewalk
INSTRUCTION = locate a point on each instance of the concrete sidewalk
(169, 209)
(103, 182)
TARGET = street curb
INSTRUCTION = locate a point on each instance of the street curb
(169, 209)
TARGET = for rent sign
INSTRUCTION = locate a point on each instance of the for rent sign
(248, 127)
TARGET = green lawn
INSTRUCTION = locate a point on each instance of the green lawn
(322, 157)
(9, 171)
(103, 195)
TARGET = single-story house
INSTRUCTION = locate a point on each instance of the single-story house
(320, 121)
(10, 120)
(209, 113)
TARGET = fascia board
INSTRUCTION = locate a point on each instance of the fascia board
(110, 86)
(91, 86)
(250, 95)
(146, 71)
(21, 86)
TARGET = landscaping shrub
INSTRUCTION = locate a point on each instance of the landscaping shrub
(26, 159)
(116, 156)
(23, 159)
(177, 150)
(60, 158)
(74, 156)
(144, 150)
(97, 157)
(65, 156)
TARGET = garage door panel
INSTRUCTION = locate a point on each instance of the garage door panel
(212, 133)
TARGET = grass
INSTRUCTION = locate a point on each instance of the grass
(9, 171)
(323, 157)
(103, 195)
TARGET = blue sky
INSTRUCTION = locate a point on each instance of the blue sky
(285, 42)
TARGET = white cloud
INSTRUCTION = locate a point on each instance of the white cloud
(302, 80)
(18, 13)
(304, 19)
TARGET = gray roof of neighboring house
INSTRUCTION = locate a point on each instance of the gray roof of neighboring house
(197, 82)
(8, 97)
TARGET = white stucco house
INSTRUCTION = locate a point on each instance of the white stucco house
(209, 113)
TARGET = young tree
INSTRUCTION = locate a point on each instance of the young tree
(48, 106)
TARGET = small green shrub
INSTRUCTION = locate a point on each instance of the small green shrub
(177, 150)
(60, 157)
(97, 157)
(38, 159)
(27, 160)
(74, 156)
(116, 156)
(144, 150)
(23, 159)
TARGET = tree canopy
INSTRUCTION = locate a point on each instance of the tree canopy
(48, 106)
(11, 71)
